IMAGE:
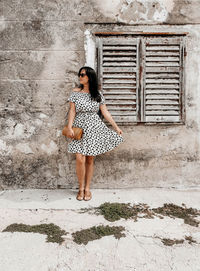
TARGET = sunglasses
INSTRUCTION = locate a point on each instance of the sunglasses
(82, 74)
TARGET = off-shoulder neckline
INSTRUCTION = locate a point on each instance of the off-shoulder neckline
(81, 92)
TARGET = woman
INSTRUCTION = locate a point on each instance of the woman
(86, 103)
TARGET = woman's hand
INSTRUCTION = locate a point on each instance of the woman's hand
(109, 118)
(119, 131)
(70, 132)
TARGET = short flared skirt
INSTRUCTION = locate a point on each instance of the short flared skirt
(97, 137)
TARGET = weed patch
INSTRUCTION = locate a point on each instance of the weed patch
(53, 232)
(172, 210)
(94, 233)
(171, 242)
(115, 211)
(190, 239)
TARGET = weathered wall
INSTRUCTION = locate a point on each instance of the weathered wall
(42, 47)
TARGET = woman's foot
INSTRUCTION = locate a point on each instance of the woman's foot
(88, 195)
(80, 194)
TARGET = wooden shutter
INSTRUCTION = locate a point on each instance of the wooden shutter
(118, 71)
(163, 79)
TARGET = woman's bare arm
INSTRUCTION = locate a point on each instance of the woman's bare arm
(71, 116)
(108, 116)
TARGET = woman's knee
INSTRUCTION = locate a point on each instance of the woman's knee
(80, 158)
(89, 159)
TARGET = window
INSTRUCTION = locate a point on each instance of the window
(142, 77)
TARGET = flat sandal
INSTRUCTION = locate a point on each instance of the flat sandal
(80, 195)
(89, 196)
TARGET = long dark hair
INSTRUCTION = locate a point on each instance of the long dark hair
(93, 85)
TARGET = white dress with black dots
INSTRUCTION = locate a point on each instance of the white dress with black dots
(97, 137)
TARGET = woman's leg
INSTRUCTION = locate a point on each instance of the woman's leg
(80, 169)
(89, 166)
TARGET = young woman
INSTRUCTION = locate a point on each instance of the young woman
(87, 105)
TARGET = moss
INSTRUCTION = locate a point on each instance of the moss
(94, 233)
(172, 210)
(115, 211)
(190, 239)
(171, 242)
(52, 231)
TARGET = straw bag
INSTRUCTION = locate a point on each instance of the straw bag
(78, 132)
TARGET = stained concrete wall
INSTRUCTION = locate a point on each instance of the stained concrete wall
(43, 44)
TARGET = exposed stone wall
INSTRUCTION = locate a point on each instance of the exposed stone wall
(42, 48)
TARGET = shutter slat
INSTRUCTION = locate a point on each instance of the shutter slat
(170, 118)
(163, 75)
(118, 76)
(162, 86)
(107, 93)
(162, 53)
(122, 113)
(160, 81)
(164, 58)
(162, 64)
(117, 87)
(129, 59)
(121, 102)
(163, 113)
(124, 119)
(119, 64)
(122, 108)
(162, 108)
(163, 48)
(119, 48)
(120, 97)
(122, 81)
(162, 91)
(162, 97)
(121, 69)
(119, 53)
(110, 41)
(162, 102)
(162, 69)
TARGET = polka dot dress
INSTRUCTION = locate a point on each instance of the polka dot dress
(97, 137)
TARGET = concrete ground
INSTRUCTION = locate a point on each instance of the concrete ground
(141, 249)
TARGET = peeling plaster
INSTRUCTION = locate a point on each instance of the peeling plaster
(51, 148)
(89, 46)
(168, 4)
(4, 149)
(2, 23)
(185, 11)
(38, 122)
(51, 65)
(24, 148)
(42, 116)
(145, 11)
(15, 130)
(21, 131)
(160, 15)
(108, 8)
